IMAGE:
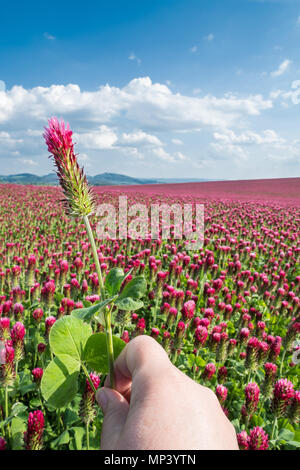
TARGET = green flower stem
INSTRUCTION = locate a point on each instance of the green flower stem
(174, 357)
(41, 400)
(249, 377)
(262, 403)
(110, 347)
(95, 254)
(107, 314)
(282, 362)
(89, 378)
(87, 436)
(6, 402)
(6, 412)
(59, 421)
(155, 309)
(273, 428)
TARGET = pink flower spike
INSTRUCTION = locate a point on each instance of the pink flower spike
(79, 197)
(2, 443)
(258, 439)
(33, 437)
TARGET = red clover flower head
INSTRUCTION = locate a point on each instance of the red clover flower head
(188, 309)
(209, 370)
(252, 397)
(200, 336)
(294, 408)
(222, 374)
(221, 393)
(2, 443)
(258, 439)
(18, 332)
(282, 394)
(33, 437)
(87, 410)
(79, 198)
(49, 322)
(243, 440)
(37, 374)
(125, 336)
(154, 332)
(38, 314)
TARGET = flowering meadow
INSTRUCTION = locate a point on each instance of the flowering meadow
(227, 314)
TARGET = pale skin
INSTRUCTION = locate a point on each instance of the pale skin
(157, 407)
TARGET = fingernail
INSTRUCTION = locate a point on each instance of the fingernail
(102, 399)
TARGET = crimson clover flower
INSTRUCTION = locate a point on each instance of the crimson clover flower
(79, 197)
(282, 395)
(87, 411)
(2, 443)
(258, 439)
(33, 437)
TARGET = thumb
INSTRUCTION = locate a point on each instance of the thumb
(115, 409)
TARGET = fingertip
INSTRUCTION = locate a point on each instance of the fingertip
(102, 398)
(107, 397)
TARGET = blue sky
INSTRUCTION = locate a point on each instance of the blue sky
(170, 88)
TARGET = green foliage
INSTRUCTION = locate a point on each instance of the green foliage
(135, 289)
(86, 314)
(60, 380)
(113, 281)
(64, 438)
(68, 336)
(95, 355)
(75, 346)
(129, 304)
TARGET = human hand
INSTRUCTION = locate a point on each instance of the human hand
(157, 407)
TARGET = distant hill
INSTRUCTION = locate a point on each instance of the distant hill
(115, 179)
(103, 179)
(29, 178)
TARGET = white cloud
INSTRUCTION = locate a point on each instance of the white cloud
(287, 153)
(132, 56)
(275, 94)
(229, 150)
(129, 144)
(248, 145)
(209, 37)
(132, 152)
(298, 20)
(149, 104)
(101, 139)
(83, 157)
(268, 136)
(137, 123)
(2, 85)
(193, 49)
(7, 140)
(283, 67)
(163, 155)
(28, 161)
(34, 132)
(177, 142)
(49, 36)
(140, 138)
(197, 91)
(180, 156)
(293, 95)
